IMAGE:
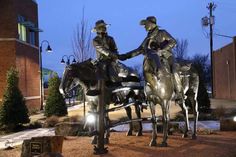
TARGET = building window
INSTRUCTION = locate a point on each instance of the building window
(22, 32)
(32, 37)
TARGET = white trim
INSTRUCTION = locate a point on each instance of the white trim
(32, 97)
(20, 41)
(29, 98)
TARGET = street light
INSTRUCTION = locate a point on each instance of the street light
(68, 59)
(48, 49)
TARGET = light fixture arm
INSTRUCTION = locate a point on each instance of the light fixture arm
(41, 45)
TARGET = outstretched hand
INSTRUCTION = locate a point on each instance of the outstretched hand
(114, 56)
(122, 57)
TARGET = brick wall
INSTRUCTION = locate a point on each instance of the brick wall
(13, 52)
(224, 72)
(27, 62)
(7, 59)
(8, 18)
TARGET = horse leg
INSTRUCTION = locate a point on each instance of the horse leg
(94, 127)
(154, 125)
(107, 131)
(129, 114)
(165, 113)
(185, 112)
(195, 113)
(95, 137)
(138, 113)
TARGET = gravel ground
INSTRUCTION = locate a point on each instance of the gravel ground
(215, 145)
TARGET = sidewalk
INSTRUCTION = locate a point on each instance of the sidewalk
(18, 138)
(211, 125)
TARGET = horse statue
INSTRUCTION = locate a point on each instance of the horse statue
(190, 82)
(159, 89)
(87, 74)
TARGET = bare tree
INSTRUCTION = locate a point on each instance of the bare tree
(180, 51)
(82, 41)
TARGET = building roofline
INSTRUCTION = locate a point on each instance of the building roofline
(223, 47)
(35, 1)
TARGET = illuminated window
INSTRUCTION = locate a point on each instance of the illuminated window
(22, 32)
(32, 37)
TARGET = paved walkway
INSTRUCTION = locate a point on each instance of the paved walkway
(18, 138)
(212, 125)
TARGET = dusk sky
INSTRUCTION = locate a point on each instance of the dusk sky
(182, 19)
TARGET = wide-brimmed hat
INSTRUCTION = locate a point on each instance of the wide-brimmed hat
(151, 19)
(99, 23)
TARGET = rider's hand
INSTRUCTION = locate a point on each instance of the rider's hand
(122, 57)
(113, 56)
(160, 52)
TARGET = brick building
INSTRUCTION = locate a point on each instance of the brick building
(224, 72)
(19, 47)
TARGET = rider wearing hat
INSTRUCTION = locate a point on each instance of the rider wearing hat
(105, 45)
(106, 50)
(158, 42)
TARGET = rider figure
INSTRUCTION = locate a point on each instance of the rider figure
(106, 50)
(158, 42)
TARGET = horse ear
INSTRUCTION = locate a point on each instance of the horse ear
(177, 66)
(69, 67)
(189, 64)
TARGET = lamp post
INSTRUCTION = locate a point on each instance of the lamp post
(68, 59)
(48, 49)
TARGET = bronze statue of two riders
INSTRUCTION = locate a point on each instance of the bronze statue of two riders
(162, 81)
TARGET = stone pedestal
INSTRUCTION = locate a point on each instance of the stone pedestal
(68, 128)
(39, 145)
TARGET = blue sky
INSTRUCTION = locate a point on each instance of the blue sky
(182, 19)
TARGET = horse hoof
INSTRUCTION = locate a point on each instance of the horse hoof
(153, 143)
(163, 144)
(106, 140)
(129, 133)
(194, 137)
(139, 134)
(185, 135)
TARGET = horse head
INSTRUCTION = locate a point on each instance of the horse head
(184, 70)
(77, 74)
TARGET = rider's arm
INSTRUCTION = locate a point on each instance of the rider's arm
(101, 49)
(113, 46)
(169, 41)
(137, 51)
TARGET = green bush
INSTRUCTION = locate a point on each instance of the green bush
(13, 110)
(55, 104)
(80, 93)
(200, 64)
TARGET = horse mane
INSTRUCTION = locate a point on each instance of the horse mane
(85, 70)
